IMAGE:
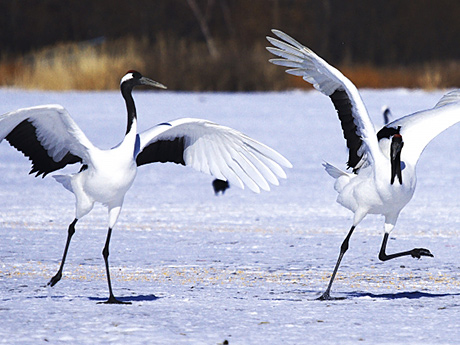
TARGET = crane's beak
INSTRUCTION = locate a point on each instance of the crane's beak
(395, 156)
(150, 82)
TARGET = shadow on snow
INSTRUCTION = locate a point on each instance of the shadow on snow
(399, 295)
(139, 298)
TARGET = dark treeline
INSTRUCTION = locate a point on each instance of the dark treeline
(378, 31)
(345, 32)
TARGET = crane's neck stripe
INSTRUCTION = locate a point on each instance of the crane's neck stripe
(130, 106)
(132, 124)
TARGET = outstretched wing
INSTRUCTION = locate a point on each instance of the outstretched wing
(357, 127)
(213, 149)
(47, 135)
(420, 128)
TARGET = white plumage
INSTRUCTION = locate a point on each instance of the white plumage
(383, 178)
(52, 140)
(222, 152)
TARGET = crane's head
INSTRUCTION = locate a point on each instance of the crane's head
(128, 82)
(397, 144)
(134, 78)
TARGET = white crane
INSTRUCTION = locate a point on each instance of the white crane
(51, 139)
(383, 163)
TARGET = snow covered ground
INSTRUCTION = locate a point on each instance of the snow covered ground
(244, 268)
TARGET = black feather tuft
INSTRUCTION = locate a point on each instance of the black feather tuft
(344, 109)
(24, 138)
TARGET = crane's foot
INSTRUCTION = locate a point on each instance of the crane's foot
(324, 297)
(113, 300)
(419, 252)
(327, 297)
(53, 281)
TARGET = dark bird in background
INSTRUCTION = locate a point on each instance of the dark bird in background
(220, 186)
(386, 114)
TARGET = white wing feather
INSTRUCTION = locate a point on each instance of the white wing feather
(222, 152)
(420, 128)
(325, 78)
(56, 131)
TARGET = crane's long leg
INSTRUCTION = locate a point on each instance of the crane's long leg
(343, 248)
(105, 254)
(415, 253)
(70, 233)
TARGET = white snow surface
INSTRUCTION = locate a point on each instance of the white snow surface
(243, 268)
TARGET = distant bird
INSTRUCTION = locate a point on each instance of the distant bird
(220, 186)
(383, 163)
(386, 114)
(51, 139)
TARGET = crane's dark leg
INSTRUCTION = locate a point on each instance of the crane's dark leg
(70, 233)
(343, 248)
(415, 253)
(105, 254)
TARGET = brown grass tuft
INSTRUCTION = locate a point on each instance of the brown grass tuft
(76, 66)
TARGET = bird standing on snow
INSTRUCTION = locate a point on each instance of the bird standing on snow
(220, 186)
(383, 178)
(52, 140)
(386, 114)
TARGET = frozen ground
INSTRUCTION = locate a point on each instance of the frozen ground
(245, 268)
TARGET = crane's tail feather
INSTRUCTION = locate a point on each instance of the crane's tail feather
(65, 180)
(334, 171)
(342, 178)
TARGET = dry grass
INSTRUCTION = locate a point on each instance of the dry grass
(184, 65)
(73, 67)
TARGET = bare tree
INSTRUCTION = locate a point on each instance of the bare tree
(227, 17)
(204, 26)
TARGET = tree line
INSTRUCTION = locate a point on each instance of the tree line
(382, 33)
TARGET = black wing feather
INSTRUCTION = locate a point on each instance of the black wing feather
(163, 151)
(24, 138)
(344, 109)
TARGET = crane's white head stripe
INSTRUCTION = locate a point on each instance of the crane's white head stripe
(127, 77)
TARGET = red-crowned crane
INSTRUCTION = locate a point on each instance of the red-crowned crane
(52, 140)
(383, 178)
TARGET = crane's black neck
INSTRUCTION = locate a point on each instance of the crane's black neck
(126, 91)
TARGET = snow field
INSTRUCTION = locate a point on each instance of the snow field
(244, 267)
